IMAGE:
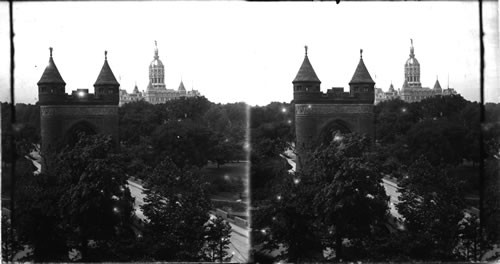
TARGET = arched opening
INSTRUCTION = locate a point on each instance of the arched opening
(82, 127)
(326, 134)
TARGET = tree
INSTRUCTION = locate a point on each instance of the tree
(336, 198)
(285, 221)
(432, 206)
(96, 204)
(217, 119)
(10, 245)
(393, 118)
(137, 119)
(177, 208)
(440, 141)
(81, 199)
(217, 240)
(186, 142)
(37, 218)
(349, 199)
(223, 150)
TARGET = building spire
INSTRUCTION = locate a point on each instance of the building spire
(51, 74)
(412, 50)
(361, 74)
(361, 53)
(156, 50)
(306, 72)
(106, 76)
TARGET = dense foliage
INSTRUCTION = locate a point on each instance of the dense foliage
(191, 131)
(80, 202)
(80, 207)
(217, 233)
(177, 208)
(337, 198)
(431, 149)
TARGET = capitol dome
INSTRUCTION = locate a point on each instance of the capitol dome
(412, 70)
(156, 63)
(412, 61)
(156, 72)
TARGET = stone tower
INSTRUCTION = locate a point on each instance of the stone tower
(318, 114)
(63, 116)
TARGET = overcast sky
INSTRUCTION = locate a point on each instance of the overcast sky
(238, 51)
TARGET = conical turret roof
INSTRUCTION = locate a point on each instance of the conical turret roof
(106, 76)
(437, 86)
(51, 74)
(181, 87)
(361, 75)
(306, 72)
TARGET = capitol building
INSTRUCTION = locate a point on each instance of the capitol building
(156, 92)
(412, 90)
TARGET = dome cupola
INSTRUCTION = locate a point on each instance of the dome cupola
(156, 72)
(412, 70)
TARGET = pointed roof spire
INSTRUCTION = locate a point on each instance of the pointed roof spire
(156, 50)
(136, 90)
(51, 74)
(106, 76)
(437, 85)
(361, 53)
(181, 86)
(306, 72)
(412, 50)
(361, 75)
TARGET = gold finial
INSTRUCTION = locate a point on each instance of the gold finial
(411, 40)
(156, 44)
(305, 47)
(50, 51)
(361, 53)
(106, 55)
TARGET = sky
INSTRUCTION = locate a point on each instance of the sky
(241, 51)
